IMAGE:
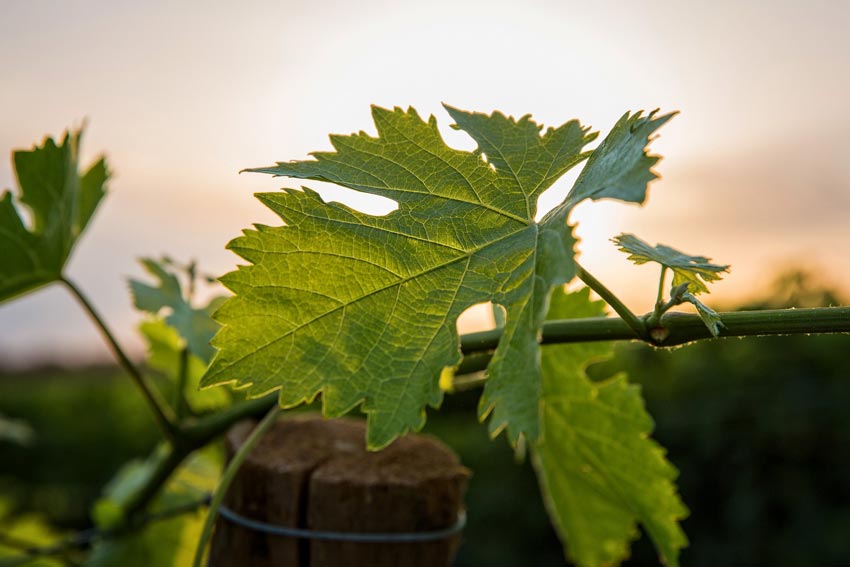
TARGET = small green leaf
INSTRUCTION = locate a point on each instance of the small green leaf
(599, 471)
(693, 270)
(61, 202)
(195, 326)
(709, 316)
(164, 348)
(363, 309)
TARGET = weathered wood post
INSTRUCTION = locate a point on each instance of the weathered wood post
(314, 474)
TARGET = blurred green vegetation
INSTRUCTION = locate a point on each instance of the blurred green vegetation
(760, 431)
(759, 428)
(86, 423)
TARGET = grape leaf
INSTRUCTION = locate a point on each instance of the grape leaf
(60, 201)
(362, 308)
(195, 326)
(696, 271)
(599, 471)
(164, 351)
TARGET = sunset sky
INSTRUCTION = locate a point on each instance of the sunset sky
(181, 96)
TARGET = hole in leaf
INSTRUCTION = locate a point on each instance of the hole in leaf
(478, 317)
(554, 195)
(486, 160)
(364, 202)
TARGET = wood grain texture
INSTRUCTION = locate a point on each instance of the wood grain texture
(310, 472)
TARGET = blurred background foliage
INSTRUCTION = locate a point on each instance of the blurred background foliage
(759, 429)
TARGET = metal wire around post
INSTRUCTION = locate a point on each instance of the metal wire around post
(362, 537)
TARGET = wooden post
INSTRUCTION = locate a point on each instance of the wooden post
(313, 473)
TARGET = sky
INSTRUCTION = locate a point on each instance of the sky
(180, 96)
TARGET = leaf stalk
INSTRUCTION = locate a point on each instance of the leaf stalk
(638, 326)
(227, 479)
(163, 415)
(181, 405)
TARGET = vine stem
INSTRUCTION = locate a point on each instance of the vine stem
(194, 434)
(163, 415)
(227, 478)
(181, 405)
(679, 328)
(177, 453)
(618, 306)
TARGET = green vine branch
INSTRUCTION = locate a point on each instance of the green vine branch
(181, 405)
(163, 415)
(678, 329)
(227, 479)
(193, 435)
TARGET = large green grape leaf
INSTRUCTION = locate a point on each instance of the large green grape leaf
(363, 308)
(599, 471)
(61, 202)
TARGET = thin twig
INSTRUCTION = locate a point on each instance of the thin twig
(162, 413)
(194, 434)
(618, 306)
(660, 299)
(181, 405)
(165, 467)
(227, 478)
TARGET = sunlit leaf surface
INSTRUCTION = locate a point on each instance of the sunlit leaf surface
(362, 308)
